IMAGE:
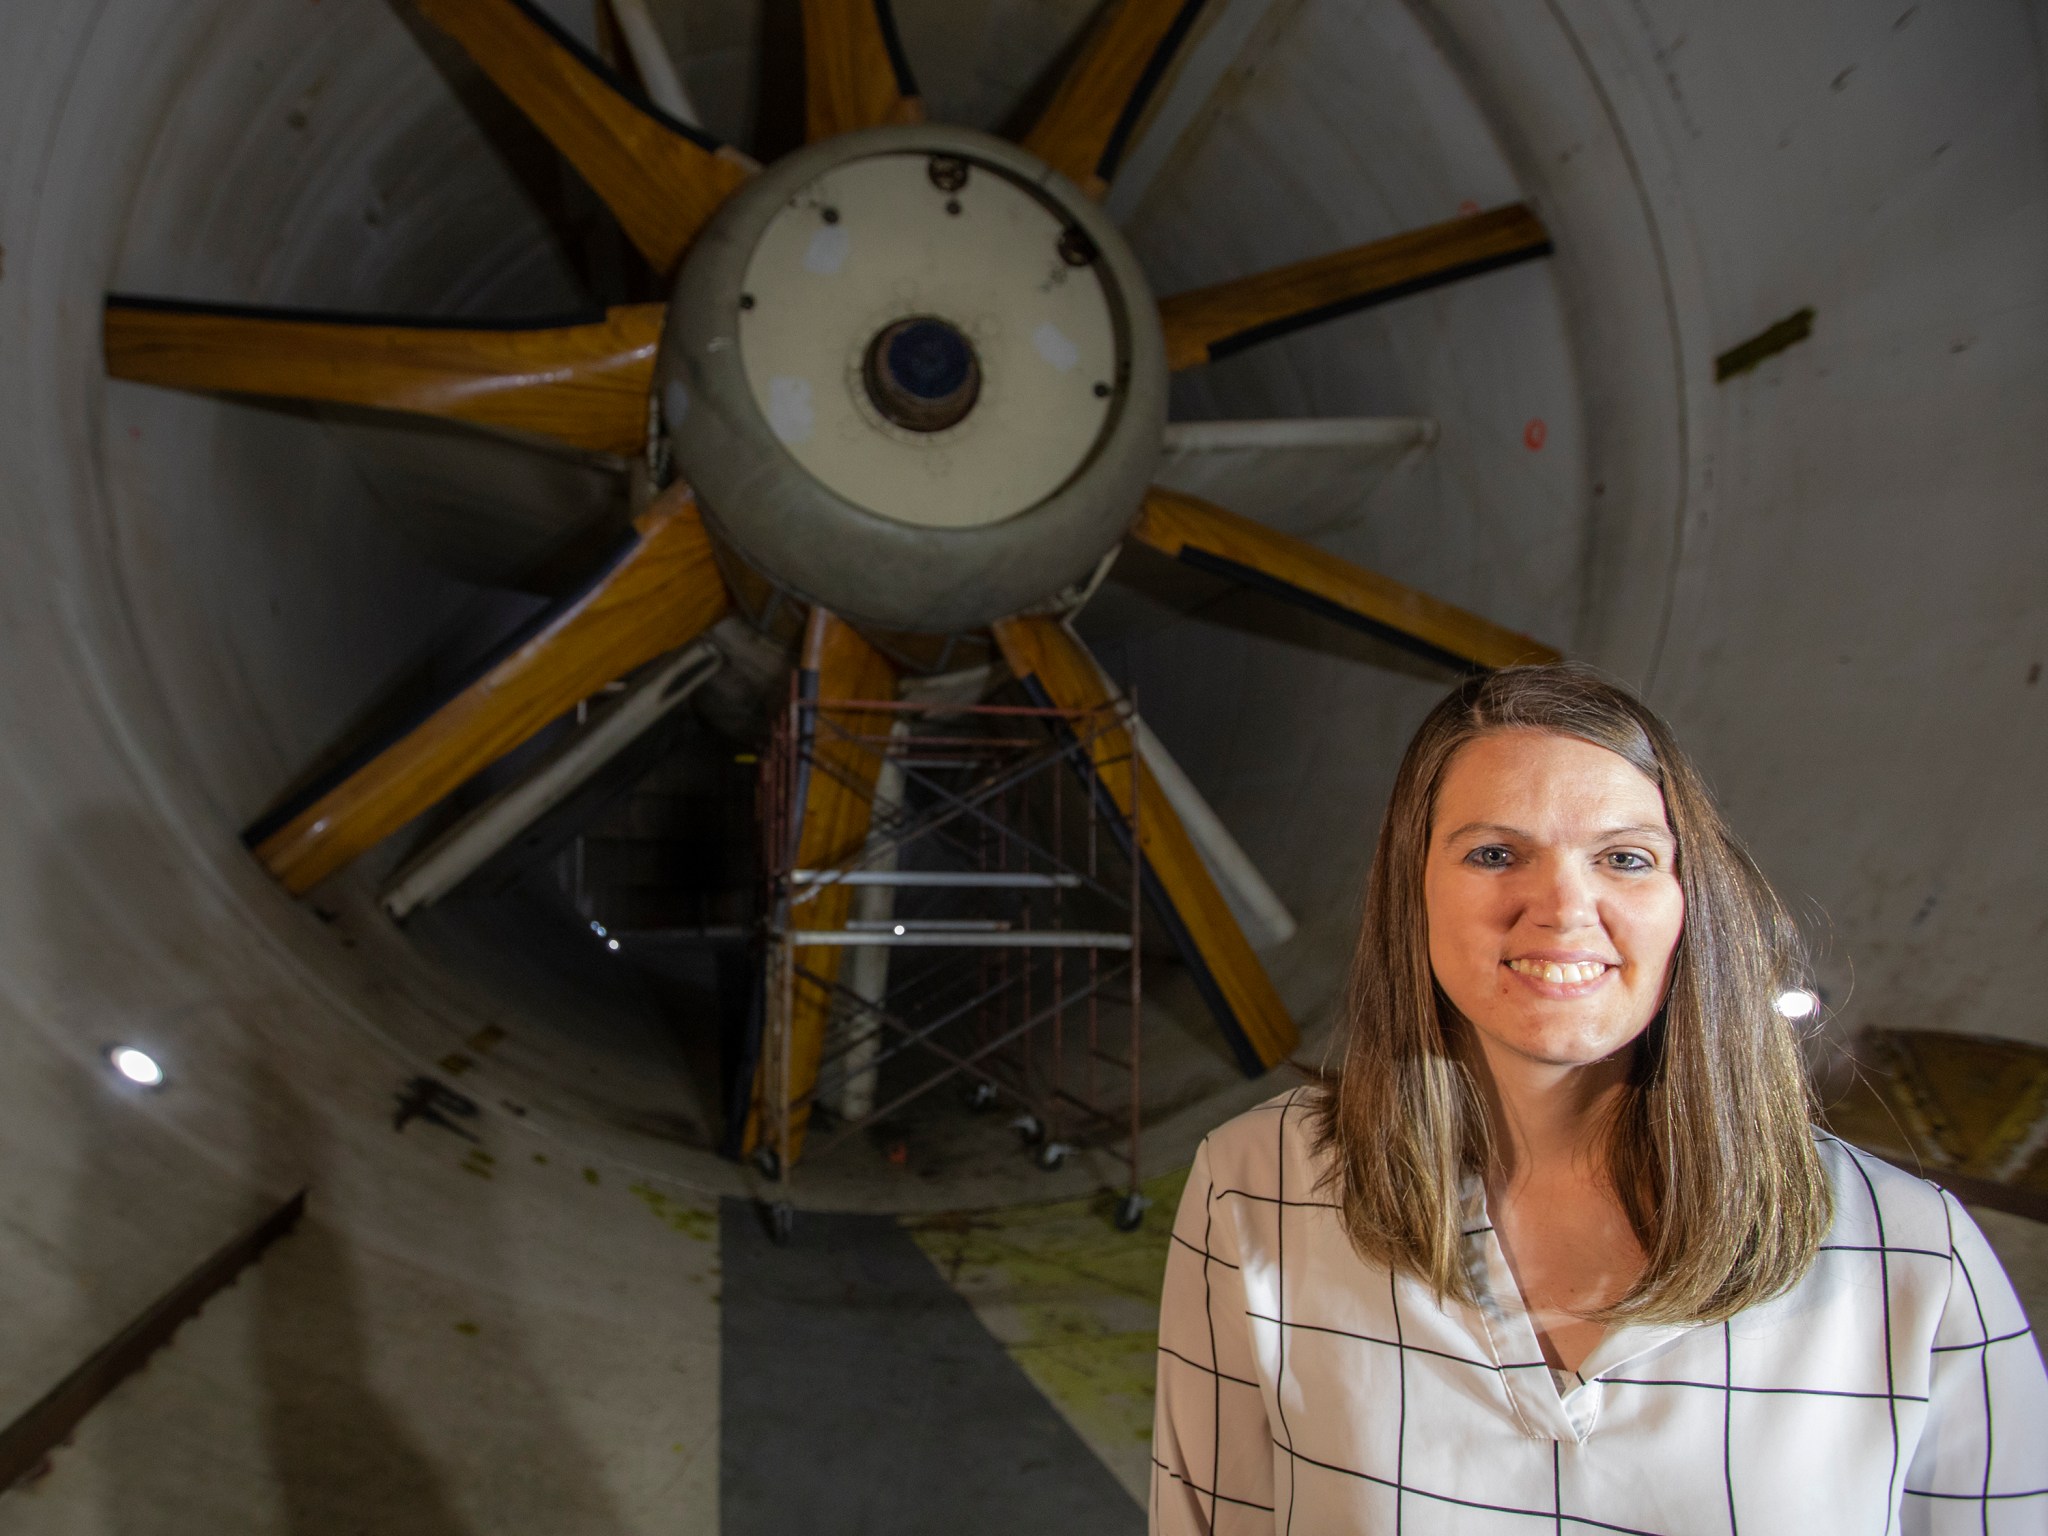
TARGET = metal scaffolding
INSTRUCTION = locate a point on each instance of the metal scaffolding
(981, 929)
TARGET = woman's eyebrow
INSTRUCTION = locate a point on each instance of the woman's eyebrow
(1485, 826)
(1501, 829)
(1644, 829)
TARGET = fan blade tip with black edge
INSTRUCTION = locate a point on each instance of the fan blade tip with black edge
(1095, 113)
(1210, 538)
(1207, 324)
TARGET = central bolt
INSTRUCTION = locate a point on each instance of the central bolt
(922, 374)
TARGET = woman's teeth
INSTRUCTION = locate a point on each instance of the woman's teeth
(1569, 974)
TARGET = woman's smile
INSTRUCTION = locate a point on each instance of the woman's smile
(1564, 976)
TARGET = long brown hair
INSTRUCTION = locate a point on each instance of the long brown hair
(1711, 1150)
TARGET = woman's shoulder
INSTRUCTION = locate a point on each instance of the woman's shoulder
(1881, 1207)
(1270, 1147)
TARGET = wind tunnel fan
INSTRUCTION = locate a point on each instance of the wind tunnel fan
(910, 376)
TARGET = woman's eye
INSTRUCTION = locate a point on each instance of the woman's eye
(1492, 856)
(1623, 858)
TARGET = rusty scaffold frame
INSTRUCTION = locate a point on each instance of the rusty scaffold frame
(978, 857)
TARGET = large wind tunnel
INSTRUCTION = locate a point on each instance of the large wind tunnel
(1756, 420)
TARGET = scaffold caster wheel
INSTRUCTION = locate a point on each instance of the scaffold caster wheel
(1030, 1127)
(781, 1220)
(1052, 1154)
(981, 1096)
(1130, 1212)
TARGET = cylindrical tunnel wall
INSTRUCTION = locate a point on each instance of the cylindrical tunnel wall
(1826, 569)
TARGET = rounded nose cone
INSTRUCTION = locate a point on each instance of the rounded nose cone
(916, 376)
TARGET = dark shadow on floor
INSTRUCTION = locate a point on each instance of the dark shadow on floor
(862, 1395)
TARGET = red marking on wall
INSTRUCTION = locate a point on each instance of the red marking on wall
(1534, 434)
(1468, 207)
(135, 433)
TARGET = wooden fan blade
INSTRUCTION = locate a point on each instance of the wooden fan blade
(1208, 538)
(836, 805)
(660, 592)
(1058, 671)
(584, 384)
(1089, 123)
(610, 732)
(660, 176)
(855, 72)
(1207, 323)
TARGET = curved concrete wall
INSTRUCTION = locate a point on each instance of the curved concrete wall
(1827, 570)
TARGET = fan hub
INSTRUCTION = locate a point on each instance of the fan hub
(922, 374)
(915, 376)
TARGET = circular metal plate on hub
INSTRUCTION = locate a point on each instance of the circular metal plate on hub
(877, 247)
(915, 375)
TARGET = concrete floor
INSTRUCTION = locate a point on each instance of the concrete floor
(863, 1394)
(986, 1370)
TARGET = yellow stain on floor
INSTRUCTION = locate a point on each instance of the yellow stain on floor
(1075, 1302)
(690, 1220)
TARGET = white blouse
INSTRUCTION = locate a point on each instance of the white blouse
(1302, 1390)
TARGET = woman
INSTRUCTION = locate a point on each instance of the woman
(1559, 1247)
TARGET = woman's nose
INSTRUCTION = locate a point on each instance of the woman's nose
(1563, 896)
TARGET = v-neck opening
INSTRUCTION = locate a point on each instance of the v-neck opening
(1562, 1413)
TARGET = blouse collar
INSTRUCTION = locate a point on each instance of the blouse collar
(1545, 1408)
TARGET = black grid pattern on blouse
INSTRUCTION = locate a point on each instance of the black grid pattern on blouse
(1556, 1517)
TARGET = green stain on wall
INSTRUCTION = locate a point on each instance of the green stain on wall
(690, 1220)
(1075, 1302)
(1737, 360)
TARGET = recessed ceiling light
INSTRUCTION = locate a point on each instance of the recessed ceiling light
(137, 1066)
(1797, 1003)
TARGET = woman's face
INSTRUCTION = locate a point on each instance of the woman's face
(1552, 895)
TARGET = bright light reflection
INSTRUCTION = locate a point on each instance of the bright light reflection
(1798, 1003)
(611, 944)
(136, 1066)
(899, 930)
